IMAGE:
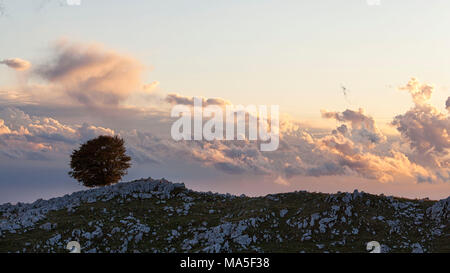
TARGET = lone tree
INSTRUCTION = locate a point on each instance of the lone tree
(100, 161)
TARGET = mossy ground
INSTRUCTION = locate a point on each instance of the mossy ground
(155, 214)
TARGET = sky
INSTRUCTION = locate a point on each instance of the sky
(69, 73)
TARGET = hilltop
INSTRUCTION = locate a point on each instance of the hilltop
(150, 215)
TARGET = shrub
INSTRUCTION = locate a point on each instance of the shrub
(100, 161)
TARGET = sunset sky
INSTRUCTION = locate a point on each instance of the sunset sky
(70, 73)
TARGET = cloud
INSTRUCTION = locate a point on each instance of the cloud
(447, 104)
(327, 168)
(384, 168)
(94, 76)
(91, 74)
(3, 128)
(363, 127)
(425, 128)
(341, 152)
(229, 167)
(420, 93)
(184, 100)
(32, 137)
(16, 63)
(356, 144)
(87, 132)
(300, 154)
(150, 87)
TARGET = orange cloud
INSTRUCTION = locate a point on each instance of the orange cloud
(425, 128)
(149, 87)
(3, 128)
(16, 63)
(92, 74)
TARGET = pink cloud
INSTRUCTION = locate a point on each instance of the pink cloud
(16, 63)
(92, 74)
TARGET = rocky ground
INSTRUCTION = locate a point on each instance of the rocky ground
(158, 216)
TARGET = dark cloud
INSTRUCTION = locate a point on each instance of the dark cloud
(184, 100)
(328, 168)
(229, 168)
(16, 63)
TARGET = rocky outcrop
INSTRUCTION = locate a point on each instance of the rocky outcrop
(150, 215)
